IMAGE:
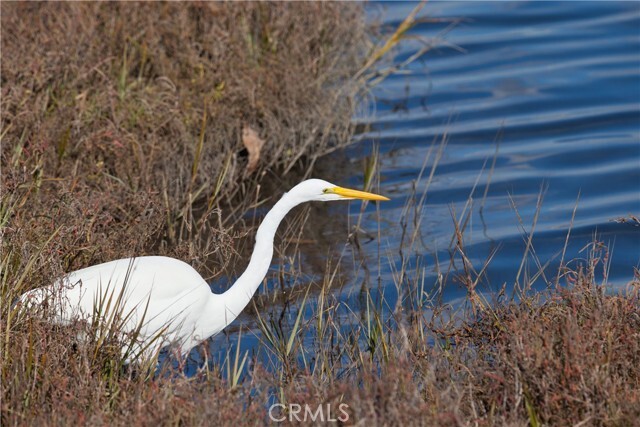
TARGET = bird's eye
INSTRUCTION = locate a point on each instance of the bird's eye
(326, 190)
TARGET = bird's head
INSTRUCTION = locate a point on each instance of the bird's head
(323, 191)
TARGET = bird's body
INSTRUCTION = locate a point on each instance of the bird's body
(164, 300)
(165, 297)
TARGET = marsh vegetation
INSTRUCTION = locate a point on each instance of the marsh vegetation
(158, 129)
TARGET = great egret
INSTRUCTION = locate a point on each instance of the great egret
(164, 300)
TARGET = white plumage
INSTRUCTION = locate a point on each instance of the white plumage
(163, 300)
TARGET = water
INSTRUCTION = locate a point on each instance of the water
(553, 89)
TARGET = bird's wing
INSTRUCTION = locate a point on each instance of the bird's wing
(150, 288)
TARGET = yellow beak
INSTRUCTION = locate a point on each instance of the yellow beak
(347, 193)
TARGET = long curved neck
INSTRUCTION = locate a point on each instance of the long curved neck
(239, 295)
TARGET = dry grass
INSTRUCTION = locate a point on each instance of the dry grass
(123, 136)
(122, 123)
(568, 355)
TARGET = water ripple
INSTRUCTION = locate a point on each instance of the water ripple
(561, 81)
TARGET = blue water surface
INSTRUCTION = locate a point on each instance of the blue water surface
(548, 93)
(556, 85)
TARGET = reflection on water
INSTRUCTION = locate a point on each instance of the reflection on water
(546, 93)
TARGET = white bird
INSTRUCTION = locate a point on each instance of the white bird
(163, 301)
